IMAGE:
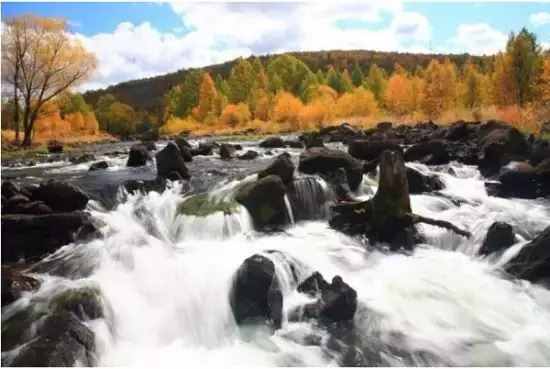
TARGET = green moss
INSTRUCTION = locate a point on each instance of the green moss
(201, 206)
(85, 300)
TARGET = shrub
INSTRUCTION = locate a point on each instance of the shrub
(235, 114)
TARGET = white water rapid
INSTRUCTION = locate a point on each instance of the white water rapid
(166, 279)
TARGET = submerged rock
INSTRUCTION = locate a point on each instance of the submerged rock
(204, 148)
(99, 165)
(282, 166)
(85, 303)
(227, 151)
(249, 155)
(202, 205)
(265, 201)
(138, 156)
(256, 296)
(533, 260)
(499, 237)
(420, 183)
(170, 160)
(336, 301)
(82, 158)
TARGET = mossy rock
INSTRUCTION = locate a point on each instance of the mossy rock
(85, 303)
(201, 205)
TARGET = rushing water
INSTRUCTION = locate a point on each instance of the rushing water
(165, 279)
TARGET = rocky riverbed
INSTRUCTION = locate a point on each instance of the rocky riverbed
(398, 245)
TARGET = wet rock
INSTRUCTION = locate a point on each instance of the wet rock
(342, 133)
(249, 155)
(60, 196)
(256, 296)
(498, 146)
(82, 158)
(14, 283)
(523, 181)
(85, 303)
(265, 200)
(204, 148)
(9, 189)
(458, 131)
(533, 261)
(98, 165)
(371, 149)
(149, 145)
(319, 160)
(338, 182)
(295, 144)
(336, 302)
(185, 148)
(282, 166)
(433, 152)
(27, 207)
(272, 142)
(227, 151)
(499, 237)
(170, 160)
(55, 147)
(138, 156)
(420, 183)
(32, 236)
(158, 185)
(540, 150)
(312, 139)
(62, 340)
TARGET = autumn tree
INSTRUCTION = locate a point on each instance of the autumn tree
(208, 98)
(360, 103)
(376, 81)
(473, 90)
(288, 73)
(399, 94)
(439, 88)
(182, 98)
(241, 81)
(286, 108)
(40, 61)
(357, 75)
(525, 62)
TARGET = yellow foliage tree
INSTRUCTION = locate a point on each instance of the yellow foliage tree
(235, 114)
(439, 88)
(208, 98)
(399, 96)
(359, 103)
(287, 108)
(505, 88)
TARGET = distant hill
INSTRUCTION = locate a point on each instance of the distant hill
(147, 93)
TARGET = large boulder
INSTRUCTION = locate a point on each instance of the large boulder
(170, 160)
(498, 146)
(138, 156)
(32, 236)
(9, 189)
(499, 237)
(60, 196)
(272, 142)
(282, 166)
(265, 201)
(320, 160)
(532, 262)
(227, 151)
(420, 183)
(312, 139)
(336, 301)
(61, 340)
(204, 148)
(371, 149)
(434, 152)
(523, 181)
(256, 296)
(185, 148)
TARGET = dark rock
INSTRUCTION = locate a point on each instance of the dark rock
(540, 150)
(158, 185)
(338, 181)
(337, 301)
(248, 155)
(533, 260)
(319, 160)
(62, 340)
(500, 236)
(384, 126)
(149, 145)
(82, 158)
(498, 146)
(32, 236)
(420, 183)
(138, 156)
(433, 152)
(185, 148)
(99, 165)
(227, 151)
(204, 148)
(282, 166)
(265, 201)
(312, 139)
(371, 149)
(523, 181)
(32, 207)
(9, 189)
(256, 295)
(170, 160)
(14, 283)
(294, 144)
(60, 197)
(272, 142)
(55, 147)
(458, 131)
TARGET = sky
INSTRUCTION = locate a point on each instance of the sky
(138, 40)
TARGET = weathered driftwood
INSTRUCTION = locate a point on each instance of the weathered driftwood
(387, 217)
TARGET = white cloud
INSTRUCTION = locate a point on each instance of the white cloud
(540, 19)
(478, 39)
(223, 31)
